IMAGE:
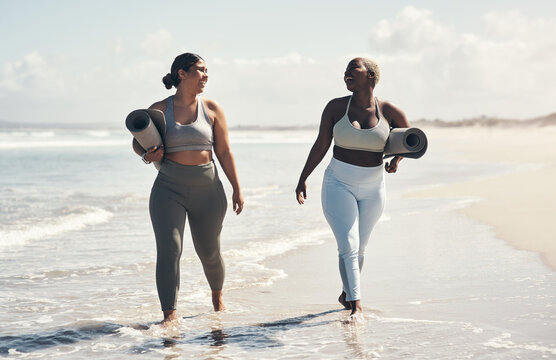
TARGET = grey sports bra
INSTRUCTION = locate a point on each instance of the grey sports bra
(195, 136)
(349, 137)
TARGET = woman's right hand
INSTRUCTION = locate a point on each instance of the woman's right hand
(301, 192)
(156, 153)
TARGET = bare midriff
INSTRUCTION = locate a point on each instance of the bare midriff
(358, 157)
(190, 157)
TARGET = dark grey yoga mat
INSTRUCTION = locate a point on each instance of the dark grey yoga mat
(144, 129)
(406, 142)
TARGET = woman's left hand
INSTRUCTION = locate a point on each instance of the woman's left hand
(392, 166)
(237, 200)
(155, 153)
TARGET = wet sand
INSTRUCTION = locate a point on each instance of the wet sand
(519, 206)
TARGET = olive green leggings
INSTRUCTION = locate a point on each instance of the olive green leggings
(181, 191)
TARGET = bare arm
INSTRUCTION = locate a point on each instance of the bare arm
(317, 153)
(397, 119)
(224, 154)
(395, 116)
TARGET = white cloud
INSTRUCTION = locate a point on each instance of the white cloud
(292, 58)
(67, 90)
(286, 90)
(117, 46)
(504, 68)
(157, 42)
(411, 30)
(142, 71)
(33, 74)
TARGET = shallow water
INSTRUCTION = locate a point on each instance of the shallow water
(77, 258)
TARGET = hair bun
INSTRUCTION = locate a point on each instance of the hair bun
(167, 80)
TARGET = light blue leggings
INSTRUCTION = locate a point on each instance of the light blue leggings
(352, 200)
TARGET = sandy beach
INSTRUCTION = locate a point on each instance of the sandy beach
(79, 263)
(520, 206)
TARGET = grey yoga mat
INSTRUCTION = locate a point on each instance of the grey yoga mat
(144, 129)
(406, 142)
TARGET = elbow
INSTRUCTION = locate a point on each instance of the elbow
(401, 124)
(223, 154)
(322, 147)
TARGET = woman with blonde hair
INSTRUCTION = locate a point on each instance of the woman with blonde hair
(353, 192)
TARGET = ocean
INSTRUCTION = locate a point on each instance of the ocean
(77, 255)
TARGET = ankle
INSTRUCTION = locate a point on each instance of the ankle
(356, 306)
(169, 314)
(217, 302)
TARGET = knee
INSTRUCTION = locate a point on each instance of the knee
(209, 256)
(348, 254)
(168, 242)
(170, 253)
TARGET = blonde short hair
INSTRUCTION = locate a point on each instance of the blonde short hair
(372, 67)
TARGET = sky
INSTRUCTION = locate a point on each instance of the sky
(276, 63)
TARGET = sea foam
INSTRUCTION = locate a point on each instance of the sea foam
(71, 220)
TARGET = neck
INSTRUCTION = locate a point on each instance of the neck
(185, 97)
(363, 98)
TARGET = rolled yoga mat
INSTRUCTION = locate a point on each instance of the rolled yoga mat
(144, 129)
(406, 142)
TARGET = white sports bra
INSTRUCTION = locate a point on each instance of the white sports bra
(373, 139)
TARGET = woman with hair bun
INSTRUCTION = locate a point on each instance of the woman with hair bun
(187, 184)
(353, 191)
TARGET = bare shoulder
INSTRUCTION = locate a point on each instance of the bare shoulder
(211, 105)
(386, 106)
(393, 114)
(336, 108)
(159, 105)
(338, 103)
(214, 111)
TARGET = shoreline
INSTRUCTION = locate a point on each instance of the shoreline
(518, 206)
(300, 292)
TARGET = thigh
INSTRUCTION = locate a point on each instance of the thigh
(341, 211)
(370, 211)
(167, 217)
(206, 212)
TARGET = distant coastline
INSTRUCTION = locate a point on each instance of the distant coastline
(12, 125)
(483, 121)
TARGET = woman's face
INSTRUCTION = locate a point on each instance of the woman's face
(356, 75)
(195, 77)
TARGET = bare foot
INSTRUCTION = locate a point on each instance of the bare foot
(217, 300)
(342, 300)
(356, 308)
(169, 317)
(356, 318)
(356, 313)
